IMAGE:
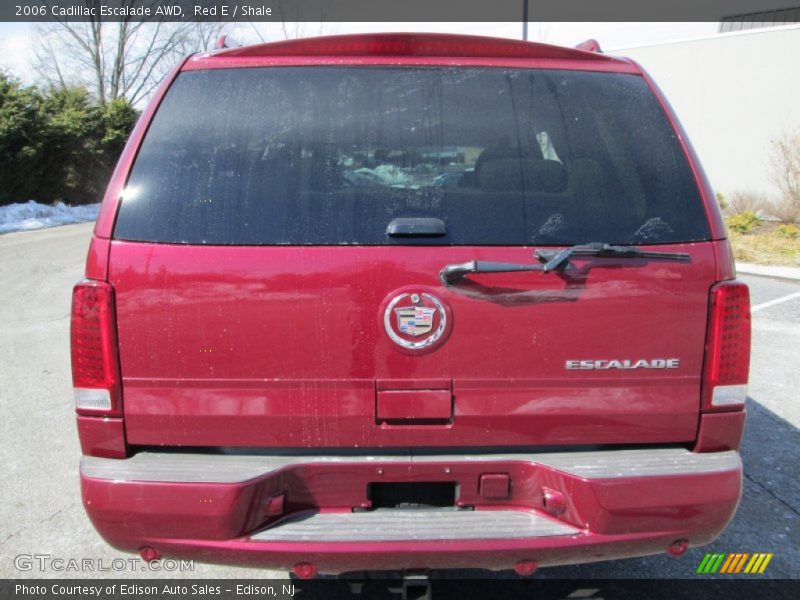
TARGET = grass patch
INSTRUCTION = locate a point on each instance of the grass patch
(744, 222)
(767, 244)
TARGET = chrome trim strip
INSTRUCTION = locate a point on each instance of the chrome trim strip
(221, 468)
(397, 525)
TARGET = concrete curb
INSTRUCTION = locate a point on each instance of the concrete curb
(768, 271)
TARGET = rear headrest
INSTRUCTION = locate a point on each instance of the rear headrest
(530, 175)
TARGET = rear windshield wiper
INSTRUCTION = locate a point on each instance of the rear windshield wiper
(454, 273)
(551, 260)
(556, 258)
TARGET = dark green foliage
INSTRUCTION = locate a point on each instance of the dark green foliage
(20, 139)
(58, 144)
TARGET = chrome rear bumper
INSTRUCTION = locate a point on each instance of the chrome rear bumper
(610, 504)
(220, 468)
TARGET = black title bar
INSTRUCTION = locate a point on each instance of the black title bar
(386, 10)
(732, 588)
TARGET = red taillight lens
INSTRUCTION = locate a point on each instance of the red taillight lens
(727, 362)
(93, 337)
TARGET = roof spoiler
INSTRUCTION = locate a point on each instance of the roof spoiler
(590, 45)
(410, 44)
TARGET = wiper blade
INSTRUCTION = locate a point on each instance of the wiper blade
(550, 260)
(557, 258)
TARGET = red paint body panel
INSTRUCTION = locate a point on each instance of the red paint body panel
(720, 431)
(204, 62)
(495, 486)
(373, 45)
(726, 269)
(241, 343)
(359, 556)
(617, 517)
(102, 436)
(97, 259)
(414, 384)
(404, 405)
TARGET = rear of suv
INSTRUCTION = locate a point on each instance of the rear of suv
(409, 302)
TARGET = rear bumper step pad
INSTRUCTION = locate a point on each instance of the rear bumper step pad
(419, 524)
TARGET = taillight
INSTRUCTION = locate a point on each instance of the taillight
(727, 362)
(93, 337)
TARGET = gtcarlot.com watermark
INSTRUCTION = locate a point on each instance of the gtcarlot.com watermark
(61, 564)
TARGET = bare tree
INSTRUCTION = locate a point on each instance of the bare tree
(203, 36)
(285, 31)
(786, 173)
(115, 59)
(291, 27)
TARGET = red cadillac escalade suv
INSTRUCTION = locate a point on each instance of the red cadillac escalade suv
(409, 301)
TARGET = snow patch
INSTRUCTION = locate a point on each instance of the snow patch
(28, 215)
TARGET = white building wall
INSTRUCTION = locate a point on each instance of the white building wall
(734, 94)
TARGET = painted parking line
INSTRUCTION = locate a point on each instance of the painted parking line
(780, 300)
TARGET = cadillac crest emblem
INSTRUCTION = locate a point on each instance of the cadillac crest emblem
(415, 320)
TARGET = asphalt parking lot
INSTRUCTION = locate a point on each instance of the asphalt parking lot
(41, 511)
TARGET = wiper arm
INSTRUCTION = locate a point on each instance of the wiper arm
(556, 258)
(550, 260)
(454, 273)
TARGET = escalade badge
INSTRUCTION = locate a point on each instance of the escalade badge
(415, 320)
(605, 365)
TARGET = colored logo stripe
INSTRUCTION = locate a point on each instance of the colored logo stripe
(758, 563)
(734, 563)
(711, 563)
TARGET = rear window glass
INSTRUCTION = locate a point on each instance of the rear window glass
(332, 155)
